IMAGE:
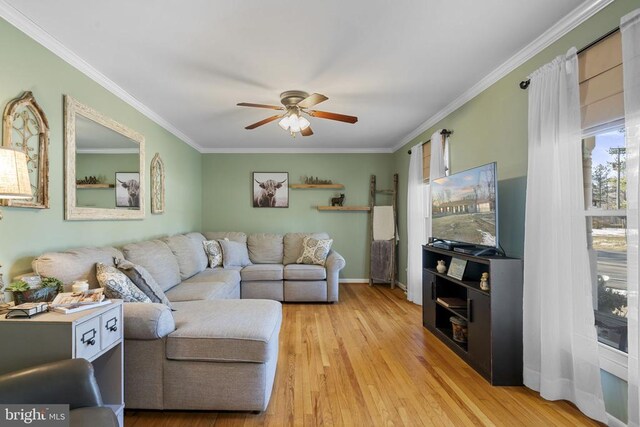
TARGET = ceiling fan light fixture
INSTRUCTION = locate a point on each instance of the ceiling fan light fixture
(284, 123)
(303, 123)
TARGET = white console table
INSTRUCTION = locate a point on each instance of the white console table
(95, 335)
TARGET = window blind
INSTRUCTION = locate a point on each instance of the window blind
(601, 93)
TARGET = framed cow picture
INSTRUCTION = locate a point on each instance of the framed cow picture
(128, 190)
(270, 189)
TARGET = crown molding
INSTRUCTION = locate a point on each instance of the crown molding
(33, 30)
(107, 151)
(295, 150)
(576, 17)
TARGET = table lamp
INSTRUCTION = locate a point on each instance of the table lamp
(14, 183)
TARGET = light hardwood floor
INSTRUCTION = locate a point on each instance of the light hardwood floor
(367, 361)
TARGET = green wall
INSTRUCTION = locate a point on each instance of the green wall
(493, 127)
(104, 167)
(26, 233)
(227, 198)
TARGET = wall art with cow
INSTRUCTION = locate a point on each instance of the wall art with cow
(270, 189)
(128, 190)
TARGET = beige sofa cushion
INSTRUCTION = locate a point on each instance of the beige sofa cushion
(216, 275)
(203, 291)
(234, 236)
(147, 321)
(75, 264)
(224, 330)
(293, 245)
(265, 248)
(188, 253)
(262, 272)
(201, 256)
(304, 272)
(158, 259)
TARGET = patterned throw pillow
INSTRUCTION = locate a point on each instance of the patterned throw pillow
(314, 251)
(143, 280)
(214, 252)
(117, 285)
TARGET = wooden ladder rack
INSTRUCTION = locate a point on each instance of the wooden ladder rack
(373, 191)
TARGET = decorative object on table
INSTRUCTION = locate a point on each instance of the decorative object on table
(456, 268)
(5, 296)
(79, 286)
(14, 175)
(270, 190)
(295, 103)
(46, 292)
(441, 267)
(484, 281)
(26, 129)
(127, 189)
(27, 309)
(157, 185)
(338, 201)
(72, 302)
(315, 181)
(33, 280)
(459, 327)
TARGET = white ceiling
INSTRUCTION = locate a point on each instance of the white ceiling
(392, 64)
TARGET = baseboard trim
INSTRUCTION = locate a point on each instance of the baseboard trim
(354, 281)
(614, 422)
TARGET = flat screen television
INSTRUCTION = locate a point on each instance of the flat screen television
(464, 207)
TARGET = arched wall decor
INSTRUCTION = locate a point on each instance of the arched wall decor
(157, 185)
(26, 128)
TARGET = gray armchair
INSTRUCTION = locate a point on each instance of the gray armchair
(65, 382)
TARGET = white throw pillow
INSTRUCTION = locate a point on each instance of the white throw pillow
(314, 251)
(214, 252)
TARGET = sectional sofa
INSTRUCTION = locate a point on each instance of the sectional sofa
(215, 351)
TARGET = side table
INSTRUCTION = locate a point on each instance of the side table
(96, 335)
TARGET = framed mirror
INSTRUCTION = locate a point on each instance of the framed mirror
(104, 166)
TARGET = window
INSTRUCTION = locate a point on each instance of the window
(426, 170)
(604, 155)
(605, 200)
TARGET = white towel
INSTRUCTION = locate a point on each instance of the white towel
(383, 223)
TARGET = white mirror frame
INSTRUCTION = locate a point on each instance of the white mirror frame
(76, 213)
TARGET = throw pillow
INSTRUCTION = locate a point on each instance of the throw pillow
(234, 254)
(143, 280)
(117, 285)
(314, 251)
(214, 252)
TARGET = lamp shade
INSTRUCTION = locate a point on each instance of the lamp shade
(14, 175)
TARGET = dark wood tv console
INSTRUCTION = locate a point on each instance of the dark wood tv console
(494, 317)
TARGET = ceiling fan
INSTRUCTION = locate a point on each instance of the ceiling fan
(295, 103)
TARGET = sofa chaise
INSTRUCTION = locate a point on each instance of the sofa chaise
(215, 351)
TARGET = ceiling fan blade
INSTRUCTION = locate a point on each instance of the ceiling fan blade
(264, 122)
(306, 131)
(311, 100)
(271, 107)
(332, 116)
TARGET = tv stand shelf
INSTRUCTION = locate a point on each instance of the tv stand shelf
(494, 317)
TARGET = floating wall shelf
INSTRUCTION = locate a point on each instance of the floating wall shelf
(93, 186)
(344, 208)
(308, 186)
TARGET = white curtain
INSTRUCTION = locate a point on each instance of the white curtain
(415, 226)
(560, 341)
(630, 28)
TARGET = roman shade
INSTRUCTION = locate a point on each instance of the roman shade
(601, 93)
